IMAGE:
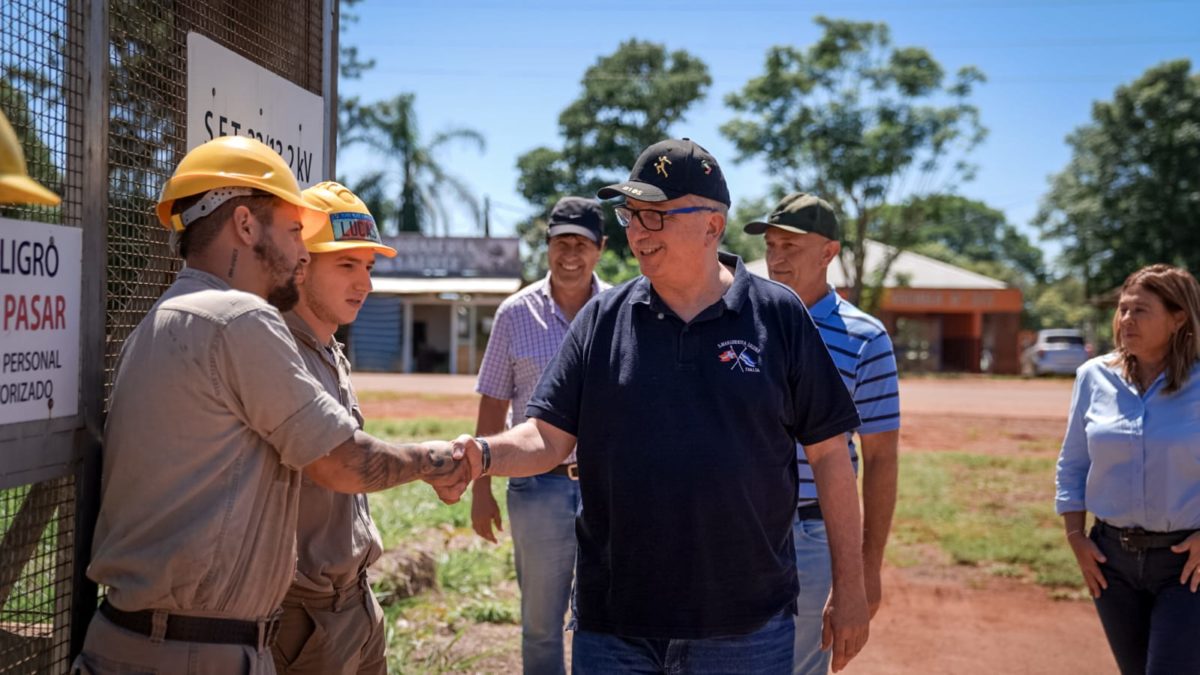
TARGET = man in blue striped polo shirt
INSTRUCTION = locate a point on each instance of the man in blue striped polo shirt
(802, 238)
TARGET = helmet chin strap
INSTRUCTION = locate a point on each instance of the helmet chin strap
(207, 204)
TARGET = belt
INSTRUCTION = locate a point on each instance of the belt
(809, 512)
(569, 470)
(260, 634)
(1137, 539)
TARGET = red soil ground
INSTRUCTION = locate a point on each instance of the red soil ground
(934, 621)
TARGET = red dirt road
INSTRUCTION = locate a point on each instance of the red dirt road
(933, 621)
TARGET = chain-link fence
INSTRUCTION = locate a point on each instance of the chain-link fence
(52, 55)
(35, 576)
(148, 122)
(40, 93)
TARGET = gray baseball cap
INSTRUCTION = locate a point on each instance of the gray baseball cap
(803, 213)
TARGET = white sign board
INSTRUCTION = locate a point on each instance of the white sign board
(39, 320)
(229, 95)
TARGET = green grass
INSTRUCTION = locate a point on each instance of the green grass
(31, 598)
(991, 512)
(424, 631)
(409, 510)
(420, 428)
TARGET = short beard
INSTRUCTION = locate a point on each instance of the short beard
(284, 296)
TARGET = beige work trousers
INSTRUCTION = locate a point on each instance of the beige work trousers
(111, 650)
(340, 634)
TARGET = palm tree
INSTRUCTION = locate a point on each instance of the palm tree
(390, 128)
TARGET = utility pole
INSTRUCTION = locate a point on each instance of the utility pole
(487, 216)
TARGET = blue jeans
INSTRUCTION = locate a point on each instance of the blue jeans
(1150, 619)
(541, 512)
(767, 651)
(816, 580)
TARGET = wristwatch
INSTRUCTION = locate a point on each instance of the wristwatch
(485, 451)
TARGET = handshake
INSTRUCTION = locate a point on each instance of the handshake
(449, 467)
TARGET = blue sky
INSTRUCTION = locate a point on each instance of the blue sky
(507, 69)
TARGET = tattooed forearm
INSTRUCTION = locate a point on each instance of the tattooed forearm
(366, 464)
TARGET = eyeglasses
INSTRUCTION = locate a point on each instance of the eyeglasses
(651, 219)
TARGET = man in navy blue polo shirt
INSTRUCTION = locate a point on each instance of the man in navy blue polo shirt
(684, 391)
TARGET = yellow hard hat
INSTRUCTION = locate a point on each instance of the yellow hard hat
(16, 187)
(232, 162)
(349, 223)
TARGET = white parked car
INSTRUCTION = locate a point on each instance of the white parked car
(1056, 350)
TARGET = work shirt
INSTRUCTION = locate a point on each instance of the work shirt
(212, 416)
(526, 332)
(335, 536)
(1132, 459)
(862, 351)
(687, 462)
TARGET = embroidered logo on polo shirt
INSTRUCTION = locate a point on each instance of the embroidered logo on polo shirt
(740, 354)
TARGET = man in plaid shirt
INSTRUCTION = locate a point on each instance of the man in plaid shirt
(527, 331)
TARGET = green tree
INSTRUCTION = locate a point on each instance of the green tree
(964, 232)
(419, 181)
(748, 246)
(630, 100)
(614, 269)
(350, 67)
(1130, 195)
(859, 122)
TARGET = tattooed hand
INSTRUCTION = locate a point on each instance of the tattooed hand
(445, 471)
(440, 459)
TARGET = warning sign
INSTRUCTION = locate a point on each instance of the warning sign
(229, 95)
(39, 320)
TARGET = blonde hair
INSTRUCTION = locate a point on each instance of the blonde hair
(1179, 292)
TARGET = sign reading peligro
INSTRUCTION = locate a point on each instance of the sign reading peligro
(229, 95)
(39, 320)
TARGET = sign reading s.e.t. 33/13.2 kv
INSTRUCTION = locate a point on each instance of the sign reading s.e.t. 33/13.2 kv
(39, 320)
(229, 95)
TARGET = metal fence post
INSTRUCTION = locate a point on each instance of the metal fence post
(93, 154)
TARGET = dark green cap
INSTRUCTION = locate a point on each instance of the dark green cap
(803, 213)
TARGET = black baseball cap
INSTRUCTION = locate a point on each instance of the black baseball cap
(669, 170)
(803, 213)
(577, 215)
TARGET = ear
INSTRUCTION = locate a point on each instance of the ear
(245, 226)
(1180, 318)
(716, 227)
(603, 242)
(829, 252)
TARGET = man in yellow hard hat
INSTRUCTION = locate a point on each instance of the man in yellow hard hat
(331, 623)
(213, 418)
(16, 187)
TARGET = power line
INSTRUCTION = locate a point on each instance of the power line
(545, 75)
(1091, 41)
(646, 13)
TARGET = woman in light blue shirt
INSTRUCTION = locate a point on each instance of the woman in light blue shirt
(1131, 456)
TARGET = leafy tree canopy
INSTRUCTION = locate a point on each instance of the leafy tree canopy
(630, 99)
(860, 122)
(1130, 195)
